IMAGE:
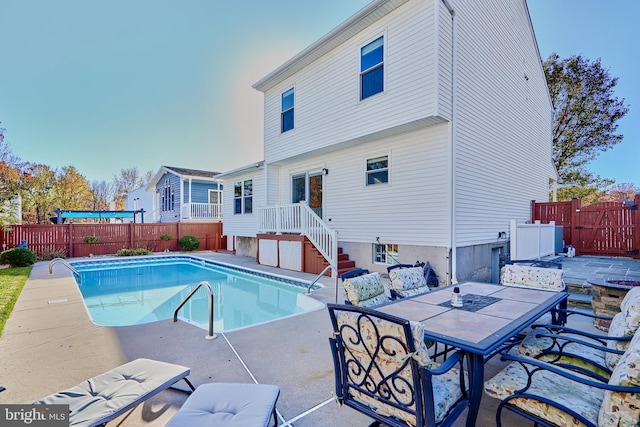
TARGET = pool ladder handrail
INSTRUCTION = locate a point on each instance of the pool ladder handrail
(327, 268)
(184, 301)
(63, 262)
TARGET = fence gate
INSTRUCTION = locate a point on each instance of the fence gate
(605, 229)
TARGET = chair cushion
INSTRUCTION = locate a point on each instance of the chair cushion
(370, 337)
(228, 405)
(104, 397)
(623, 409)
(630, 310)
(366, 290)
(580, 398)
(532, 346)
(408, 281)
(532, 277)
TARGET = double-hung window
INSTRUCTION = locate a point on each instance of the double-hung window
(372, 68)
(243, 197)
(377, 170)
(286, 115)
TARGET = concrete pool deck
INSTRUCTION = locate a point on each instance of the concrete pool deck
(50, 344)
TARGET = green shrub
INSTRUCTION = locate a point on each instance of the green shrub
(90, 239)
(49, 255)
(166, 237)
(18, 257)
(189, 243)
(133, 252)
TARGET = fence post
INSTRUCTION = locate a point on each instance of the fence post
(575, 225)
(636, 201)
(70, 251)
(533, 211)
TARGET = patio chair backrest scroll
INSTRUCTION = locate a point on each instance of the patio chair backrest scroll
(382, 368)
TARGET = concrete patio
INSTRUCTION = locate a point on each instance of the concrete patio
(49, 344)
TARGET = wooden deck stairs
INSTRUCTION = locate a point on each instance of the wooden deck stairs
(314, 262)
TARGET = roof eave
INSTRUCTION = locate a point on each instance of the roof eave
(362, 19)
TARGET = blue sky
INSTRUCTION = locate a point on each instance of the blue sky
(110, 85)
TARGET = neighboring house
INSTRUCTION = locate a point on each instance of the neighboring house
(185, 195)
(415, 130)
(140, 198)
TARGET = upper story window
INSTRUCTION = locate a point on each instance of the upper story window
(243, 197)
(372, 68)
(378, 170)
(167, 202)
(286, 116)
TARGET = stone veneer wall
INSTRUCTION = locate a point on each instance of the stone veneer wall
(606, 302)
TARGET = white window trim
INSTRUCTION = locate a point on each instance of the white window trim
(214, 191)
(282, 92)
(373, 254)
(242, 197)
(385, 80)
(365, 174)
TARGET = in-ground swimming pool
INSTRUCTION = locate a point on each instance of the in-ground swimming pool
(134, 291)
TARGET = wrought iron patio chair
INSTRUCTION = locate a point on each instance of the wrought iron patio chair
(550, 279)
(383, 370)
(591, 354)
(551, 395)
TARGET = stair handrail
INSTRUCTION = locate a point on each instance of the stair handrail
(184, 301)
(300, 218)
(63, 262)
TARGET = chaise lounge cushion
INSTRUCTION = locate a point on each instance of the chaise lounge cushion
(408, 282)
(366, 290)
(228, 405)
(106, 396)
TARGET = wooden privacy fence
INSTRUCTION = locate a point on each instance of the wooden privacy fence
(46, 238)
(606, 229)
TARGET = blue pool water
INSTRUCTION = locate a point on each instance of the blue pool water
(143, 290)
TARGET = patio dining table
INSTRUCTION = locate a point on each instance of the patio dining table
(490, 316)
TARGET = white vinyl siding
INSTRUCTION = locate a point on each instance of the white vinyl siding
(411, 210)
(327, 106)
(245, 224)
(502, 125)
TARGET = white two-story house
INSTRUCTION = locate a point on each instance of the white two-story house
(415, 130)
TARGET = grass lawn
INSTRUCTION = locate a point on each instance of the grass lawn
(11, 282)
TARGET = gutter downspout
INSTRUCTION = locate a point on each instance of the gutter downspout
(452, 150)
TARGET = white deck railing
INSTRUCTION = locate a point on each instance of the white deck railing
(202, 211)
(300, 218)
(532, 241)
